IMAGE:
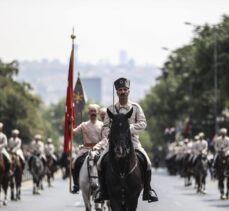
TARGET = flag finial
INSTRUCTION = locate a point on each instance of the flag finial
(73, 36)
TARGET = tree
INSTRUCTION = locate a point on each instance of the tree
(184, 94)
(19, 108)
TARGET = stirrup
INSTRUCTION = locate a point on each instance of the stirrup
(148, 197)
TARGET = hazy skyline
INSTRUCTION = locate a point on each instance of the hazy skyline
(36, 30)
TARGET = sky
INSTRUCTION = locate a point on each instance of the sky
(40, 29)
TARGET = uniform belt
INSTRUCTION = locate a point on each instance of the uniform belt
(89, 145)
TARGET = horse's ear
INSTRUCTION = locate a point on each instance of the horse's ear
(129, 114)
(110, 114)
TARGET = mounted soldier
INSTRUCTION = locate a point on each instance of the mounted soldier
(3, 146)
(200, 146)
(14, 146)
(50, 150)
(37, 149)
(102, 113)
(221, 145)
(91, 133)
(137, 123)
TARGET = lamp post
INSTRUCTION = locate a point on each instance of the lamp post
(215, 57)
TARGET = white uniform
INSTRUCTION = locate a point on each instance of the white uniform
(49, 150)
(37, 147)
(3, 145)
(187, 148)
(137, 124)
(91, 133)
(201, 146)
(15, 147)
(222, 144)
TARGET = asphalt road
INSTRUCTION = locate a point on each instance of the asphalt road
(173, 196)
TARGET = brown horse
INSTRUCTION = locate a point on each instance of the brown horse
(4, 180)
(16, 177)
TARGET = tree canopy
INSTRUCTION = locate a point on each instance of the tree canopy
(19, 107)
(184, 96)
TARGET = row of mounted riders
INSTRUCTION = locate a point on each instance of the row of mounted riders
(11, 174)
(188, 166)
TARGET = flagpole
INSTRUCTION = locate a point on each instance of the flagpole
(70, 170)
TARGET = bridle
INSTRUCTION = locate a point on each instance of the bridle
(123, 176)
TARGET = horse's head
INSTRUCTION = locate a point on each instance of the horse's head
(92, 169)
(120, 137)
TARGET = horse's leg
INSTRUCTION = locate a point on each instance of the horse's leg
(227, 193)
(18, 185)
(115, 205)
(39, 185)
(12, 197)
(132, 205)
(0, 196)
(221, 187)
(5, 188)
(198, 183)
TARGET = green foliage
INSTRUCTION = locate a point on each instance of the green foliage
(185, 89)
(19, 108)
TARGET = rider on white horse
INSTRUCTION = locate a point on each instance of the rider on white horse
(91, 132)
(137, 124)
(3, 146)
(14, 146)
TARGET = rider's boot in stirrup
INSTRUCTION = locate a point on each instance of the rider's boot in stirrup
(148, 194)
(75, 176)
(101, 193)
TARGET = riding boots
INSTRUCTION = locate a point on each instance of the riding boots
(101, 193)
(75, 176)
(7, 165)
(76, 173)
(149, 194)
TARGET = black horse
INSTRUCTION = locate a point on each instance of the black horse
(51, 169)
(124, 179)
(38, 171)
(171, 164)
(200, 172)
(187, 169)
(222, 173)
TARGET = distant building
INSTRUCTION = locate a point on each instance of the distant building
(49, 78)
(93, 89)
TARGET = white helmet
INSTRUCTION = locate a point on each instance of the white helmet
(37, 137)
(49, 140)
(223, 131)
(15, 132)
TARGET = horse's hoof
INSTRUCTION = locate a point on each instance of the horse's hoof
(222, 197)
(5, 202)
(203, 192)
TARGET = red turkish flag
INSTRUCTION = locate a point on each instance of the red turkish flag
(69, 108)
